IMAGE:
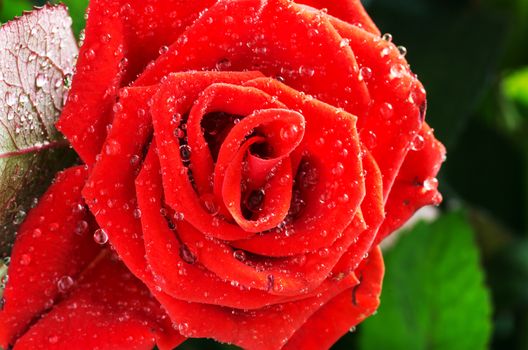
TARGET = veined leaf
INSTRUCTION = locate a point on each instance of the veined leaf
(37, 56)
(433, 295)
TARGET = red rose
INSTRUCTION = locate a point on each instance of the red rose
(243, 159)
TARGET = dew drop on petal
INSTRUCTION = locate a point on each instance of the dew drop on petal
(100, 236)
(163, 49)
(306, 71)
(81, 227)
(64, 283)
(402, 50)
(365, 73)
(387, 37)
(386, 110)
(185, 152)
(186, 255)
(418, 143)
(240, 255)
(369, 139)
(430, 184)
(25, 259)
(136, 213)
(288, 132)
(254, 200)
(89, 54)
(339, 169)
(178, 216)
(209, 203)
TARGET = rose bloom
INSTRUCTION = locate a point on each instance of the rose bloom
(242, 160)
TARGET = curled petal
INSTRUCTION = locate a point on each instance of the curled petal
(416, 184)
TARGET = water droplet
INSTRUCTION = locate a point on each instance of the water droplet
(402, 50)
(209, 203)
(386, 110)
(112, 147)
(387, 37)
(254, 200)
(306, 71)
(53, 339)
(89, 54)
(25, 259)
(37, 233)
(369, 139)
(271, 282)
(136, 213)
(100, 236)
(430, 184)
(365, 73)
(81, 227)
(186, 255)
(397, 71)
(240, 255)
(105, 38)
(339, 169)
(40, 80)
(118, 107)
(10, 98)
(343, 198)
(134, 160)
(179, 133)
(418, 143)
(163, 49)
(185, 152)
(289, 131)
(65, 283)
(178, 216)
(344, 42)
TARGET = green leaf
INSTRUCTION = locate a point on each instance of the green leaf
(433, 296)
(515, 87)
(38, 53)
(11, 8)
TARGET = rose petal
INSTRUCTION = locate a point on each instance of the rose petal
(121, 38)
(396, 111)
(273, 37)
(54, 241)
(415, 185)
(264, 329)
(374, 213)
(109, 191)
(348, 10)
(343, 312)
(109, 309)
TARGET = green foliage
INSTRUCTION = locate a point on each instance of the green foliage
(11, 8)
(433, 297)
(515, 87)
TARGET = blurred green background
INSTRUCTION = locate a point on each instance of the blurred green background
(461, 281)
